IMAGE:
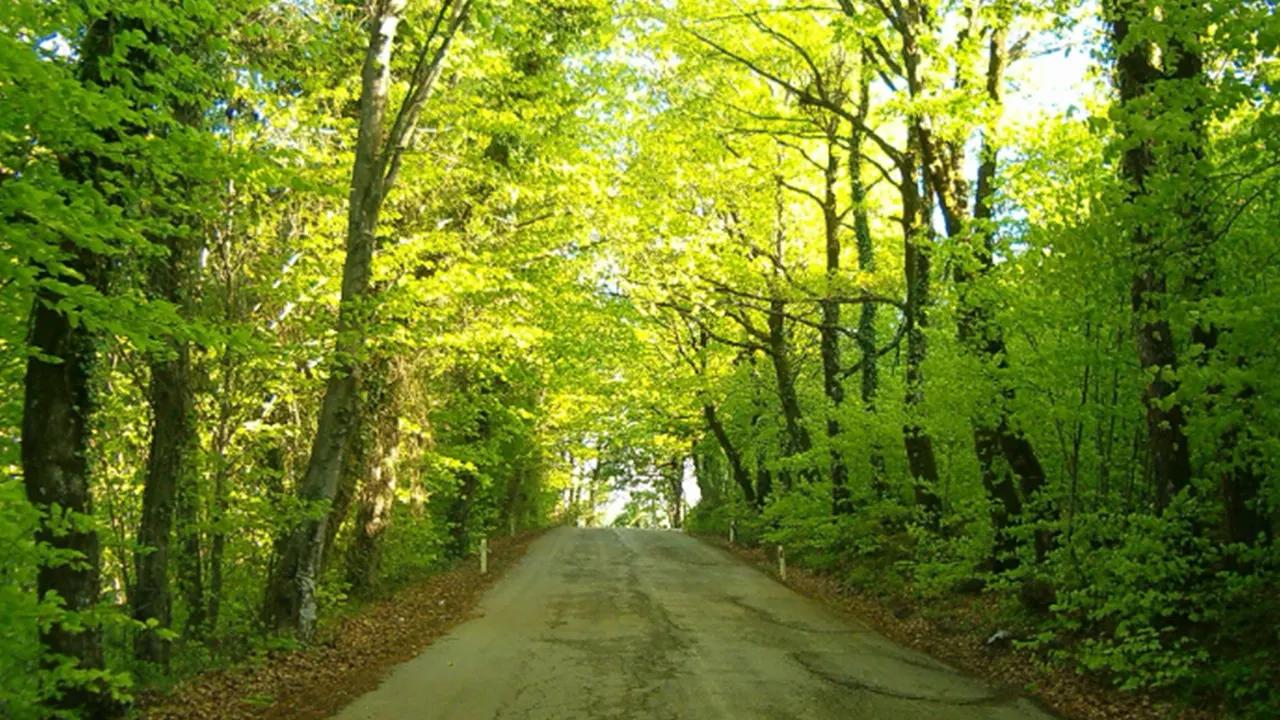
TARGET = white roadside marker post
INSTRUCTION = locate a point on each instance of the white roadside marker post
(732, 528)
(782, 563)
(484, 556)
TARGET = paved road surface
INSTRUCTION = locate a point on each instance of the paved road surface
(645, 624)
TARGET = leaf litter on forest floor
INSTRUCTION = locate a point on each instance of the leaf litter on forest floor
(348, 659)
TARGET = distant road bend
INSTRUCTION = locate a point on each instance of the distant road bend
(647, 624)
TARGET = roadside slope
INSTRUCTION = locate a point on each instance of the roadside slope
(349, 660)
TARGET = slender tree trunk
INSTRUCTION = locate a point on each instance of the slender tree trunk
(218, 516)
(710, 473)
(764, 483)
(870, 368)
(172, 437)
(169, 476)
(1239, 474)
(291, 593)
(217, 551)
(975, 328)
(1002, 453)
(829, 341)
(355, 465)
(760, 410)
(190, 558)
(736, 467)
(778, 347)
(916, 218)
(675, 493)
(459, 514)
(921, 462)
(798, 441)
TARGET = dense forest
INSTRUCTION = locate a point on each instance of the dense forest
(301, 299)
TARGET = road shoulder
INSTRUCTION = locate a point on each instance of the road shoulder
(958, 635)
(349, 659)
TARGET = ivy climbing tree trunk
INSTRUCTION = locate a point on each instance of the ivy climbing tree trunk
(921, 462)
(55, 440)
(377, 495)
(869, 368)
(57, 405)
(290, 604)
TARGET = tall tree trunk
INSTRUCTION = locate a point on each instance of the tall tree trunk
(55, 438)
(736, 468)
(290, 601)
(190, 558)
(57, 405)
(513, 508)
(169, 467)
(217, 551)
(1135, 77)
(829, 340)
(764, 483)
(219, 505)
(172, 437)
(869, 384)
(1002, 453)
(291, 595)
(709, 472)
(916, 219)
(761, 409)
(921, 462)
(1238, 468)
(798, 441)
(675, 492)
(355, 466)
(778, 347)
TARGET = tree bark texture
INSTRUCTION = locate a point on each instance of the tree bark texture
(1135, 76)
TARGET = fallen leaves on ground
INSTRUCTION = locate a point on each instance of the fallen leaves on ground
(958, 633)
(348, 659)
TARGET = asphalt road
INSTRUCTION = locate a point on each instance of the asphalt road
(649, 624)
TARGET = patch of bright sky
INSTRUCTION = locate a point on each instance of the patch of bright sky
(617, 500)
(1057, 76)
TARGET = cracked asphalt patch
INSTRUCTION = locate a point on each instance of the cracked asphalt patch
(605, 624)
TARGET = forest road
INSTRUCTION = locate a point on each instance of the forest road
(649, 624)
